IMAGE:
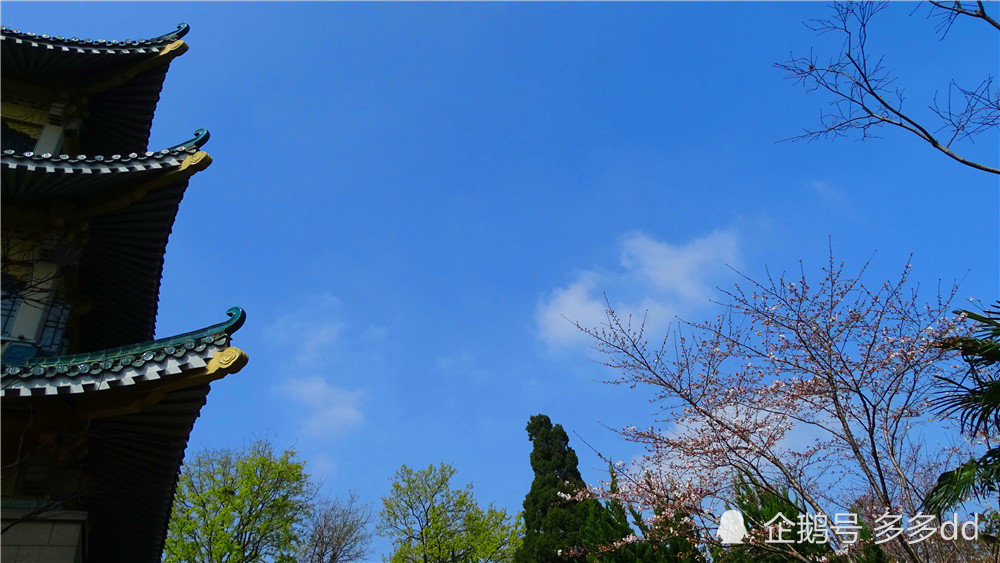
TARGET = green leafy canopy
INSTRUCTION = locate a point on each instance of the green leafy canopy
(430, 522)
(238, 506)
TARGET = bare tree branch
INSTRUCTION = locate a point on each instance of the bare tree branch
(865, 95)
(338, 532)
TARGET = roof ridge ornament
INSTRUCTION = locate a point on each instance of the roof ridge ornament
(181, 31)
(201, 137)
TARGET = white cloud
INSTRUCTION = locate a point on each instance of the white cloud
(330, 409)
(313, 331)
(828, 194)
(681, 270)
(565, 306)
(657, 279)
(314, 339)
(317, 341)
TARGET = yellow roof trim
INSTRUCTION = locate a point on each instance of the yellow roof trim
(106, 405)
(191, 165)
(166, 54)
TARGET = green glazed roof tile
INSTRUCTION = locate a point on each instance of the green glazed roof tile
(125, 365)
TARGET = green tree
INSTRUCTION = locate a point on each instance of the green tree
(760, 503)
(554, 523)
(238, 505)
(608, 531)
(430, 522)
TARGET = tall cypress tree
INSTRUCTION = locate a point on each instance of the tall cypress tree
(553, 525)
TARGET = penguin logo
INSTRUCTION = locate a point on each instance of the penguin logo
(732, 530)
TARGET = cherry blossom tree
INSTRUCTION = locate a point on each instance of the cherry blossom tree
(821, 393)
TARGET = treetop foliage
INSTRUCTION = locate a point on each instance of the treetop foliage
(554, 522)
(430, 522)
(239, 506)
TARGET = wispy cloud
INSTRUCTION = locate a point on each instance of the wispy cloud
(329, 409)
(459, 361)
(828, 194)
(575, 303)
(657, 279)
(322, 466)
(313, 338)
(312, 332)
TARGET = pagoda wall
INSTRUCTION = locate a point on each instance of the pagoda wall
(52, 537)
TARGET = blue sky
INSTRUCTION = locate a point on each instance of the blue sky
(408, 198)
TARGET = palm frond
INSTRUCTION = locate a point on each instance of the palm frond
(977, 407)
(971, 479)
(983, 347)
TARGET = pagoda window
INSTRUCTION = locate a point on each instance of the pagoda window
(10, 298)
(10, 305)
(52, 341)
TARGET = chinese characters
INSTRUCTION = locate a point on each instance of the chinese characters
(817, 528)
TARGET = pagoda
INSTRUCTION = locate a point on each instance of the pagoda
(96, 413)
